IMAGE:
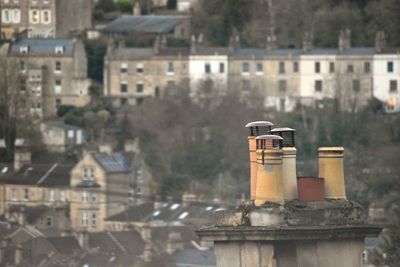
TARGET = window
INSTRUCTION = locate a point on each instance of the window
(207, 68)
(139, 191)
(23, 84)
(13, 194)
(84, 218)
(62, 196)
(94, 197)
(123, 68)
(57, 67)
(157, 91)
(85, 197)
(57, 87)
(94, 219)
(331, 67)
(281, 67)
(70, 134)
(34, 16)
(6, 16)
(317, 67)
(26, 194)
(221, 67)
(367, 67)
(139, 100)
(296, 66)
(46, 16)
(22, 65)
(259, 68)
(282, 86)
(123, 101)
(139, 68)
(139, 87)
(124, 87)
(246, 85)
(393, 86)
(390, 66)
(318, 86)
(170, 68)
(58, 102)
(51, 195)
(49, 221)
(356, 85)
(350, 68)
(245, 68)
(282, 105)
(16, 16)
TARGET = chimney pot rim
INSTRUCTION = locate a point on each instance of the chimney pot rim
(284, 129)
(328, 149)
(269, 137)
(258, 123)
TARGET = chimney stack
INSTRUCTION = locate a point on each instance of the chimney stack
(256, 128)
(105, 148)
(193, 45)
(83, 239)
(380, 41)
(136, 9)
(234, 40)
(308, 41)
(271, 42)
(289, 175)
(22, 154)
(18, 255)
(269, 165)
(344, 40)
(331, 169)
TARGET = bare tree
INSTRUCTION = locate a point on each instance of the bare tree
(13, 103)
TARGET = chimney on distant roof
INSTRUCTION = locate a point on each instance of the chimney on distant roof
(83, 239)
(271, 42)
(200, 38)
(156, 45)
(308, 41)
(289, 175)
(174, 242)
(344, 39)
(21, 216)
(234, 40)
(331, 169)
(163, 42)
(193, 45)
(22, 154)
(269, 166)
(380, 41)
(256, 128)
(105, 148)
(136, 9)
(18, 254)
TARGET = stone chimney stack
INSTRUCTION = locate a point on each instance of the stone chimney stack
(256, 128)
(289, 175)
(21, 216)
(174, 242)
(22, 154)
(380, 41)
(193, 45)
(234, 40)
(83, 239)
(271, 42)
(308, 41)
(105, 148)
(344, 39)
(269, 166)
(163, 42)
(156, 45)
(136, 9)
(331, 169)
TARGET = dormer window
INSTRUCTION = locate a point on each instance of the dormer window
(59, 50)
(88, 173)
(23, 49)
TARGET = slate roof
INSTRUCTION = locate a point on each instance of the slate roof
(66, 245)
(194, 257)
(259, 52)
(127, 53)
(43, 46)
(59, 124)
(46, 175)
(145, 24)
(135, 213)
(112, 163)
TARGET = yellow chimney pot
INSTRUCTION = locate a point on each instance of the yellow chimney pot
(269, 184)
(331, 168)
(289, 175)
(253, 166)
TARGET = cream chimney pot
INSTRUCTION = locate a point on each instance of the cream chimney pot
(331, 169)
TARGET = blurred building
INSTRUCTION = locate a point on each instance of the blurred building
(53, 73)
(44, 18)
(60, 137)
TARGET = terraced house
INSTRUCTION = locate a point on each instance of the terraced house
(284, 77)
(53, 73)
(44, 18)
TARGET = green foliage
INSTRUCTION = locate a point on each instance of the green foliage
(73, 119)
(125, 5)
(64, 109)
(105, 5)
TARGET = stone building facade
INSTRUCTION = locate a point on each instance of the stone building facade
(53, 73)
(284, 77)
(45, 18)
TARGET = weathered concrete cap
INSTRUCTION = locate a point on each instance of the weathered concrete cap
(269, 137)
(331, 149)
(284, 129)
(258, 123)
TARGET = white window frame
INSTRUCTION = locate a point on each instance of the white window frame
(26, 194)
(16, 16)
(84, 217)
(43, 12)
(31, 16)
(62, 196)
(170, 68)
(85, 196)
(6, 16)
(14, 196)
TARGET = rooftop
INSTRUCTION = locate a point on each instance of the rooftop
(43, 46)
(145, 24)
(112, 163)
